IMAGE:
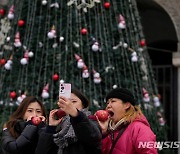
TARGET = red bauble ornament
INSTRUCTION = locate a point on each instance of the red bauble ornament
(21, 23)
(2, 12)
(36, 120)
(83, 31)
(13, 94)
(2, 61)
(142, 43)
(106, 5)
(55, 77)
(102, 115)
(60, 113)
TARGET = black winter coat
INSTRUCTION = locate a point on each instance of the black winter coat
(26, 143)
(87, 131)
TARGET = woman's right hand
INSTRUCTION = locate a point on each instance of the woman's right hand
(52, 120)
(103, 124)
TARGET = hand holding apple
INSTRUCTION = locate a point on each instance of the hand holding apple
(102, 115)
(36, 120)
(60, 113)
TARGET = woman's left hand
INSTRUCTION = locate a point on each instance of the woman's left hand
(67, 106)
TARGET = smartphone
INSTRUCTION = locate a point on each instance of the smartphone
(65, 90)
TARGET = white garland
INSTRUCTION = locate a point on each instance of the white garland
(83, 5)
(4, 29)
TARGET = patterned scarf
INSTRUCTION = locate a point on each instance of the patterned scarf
(65, 133)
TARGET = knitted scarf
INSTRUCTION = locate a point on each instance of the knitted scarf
(65, 133)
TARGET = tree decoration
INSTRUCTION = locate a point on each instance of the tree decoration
(4, 29)
(95, 47)
(30, 54)
(107, 5)
(122, 23)
(142, 42)
(11, 13)
(55, 5)
(156, 101)
(2, 12)
(12, 94)
(80, 62)
(83, 31)
(21, 23)
(25, 59)
(52, 33)
(85, 73)
(146, 97)
(2, 61)
(20, 98)
(44, 2)
(76, 45)
(83, 4)
(61, 39)
(45, 92)
(17, 42)
(55, 77)
(96, 77)
(8, 64)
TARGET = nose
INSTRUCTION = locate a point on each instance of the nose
(34, 114)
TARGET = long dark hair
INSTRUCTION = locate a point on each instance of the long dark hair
(84, 99)
(19, 114)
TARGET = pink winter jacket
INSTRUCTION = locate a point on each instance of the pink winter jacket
(137, 132)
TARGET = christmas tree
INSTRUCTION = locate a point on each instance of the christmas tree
(96, 45)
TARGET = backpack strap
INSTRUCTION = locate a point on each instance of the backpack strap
(118, 136)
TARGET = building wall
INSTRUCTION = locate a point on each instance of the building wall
(172, 7)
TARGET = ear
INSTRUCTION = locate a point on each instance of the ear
(127, 105)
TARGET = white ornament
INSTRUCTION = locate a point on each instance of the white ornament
(17, 44)
(121, 25)
(115, 86)
(80, 63)
(55, 45)
(95, 46)
(97, 80)
(51, 35)
(125, 45)
(8, 39)
(140, 49)
(85, 73)
(20, 98)
(44, 2)
(156, 101)
(76, 44)
(134, 57)
(146, 97)
(10, 16)
(7, 66)
(61, 39)
(30, 54)
(61, 81)
(45, 94)
(24, 61)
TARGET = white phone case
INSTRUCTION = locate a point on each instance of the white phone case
(65, 90)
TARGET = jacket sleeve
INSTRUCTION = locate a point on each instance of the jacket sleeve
(142, 138)
(10, 144)
(86, 130)
(46, 143)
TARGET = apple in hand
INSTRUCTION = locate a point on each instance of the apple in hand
(36, 120)
(102, 115)
(60, 113)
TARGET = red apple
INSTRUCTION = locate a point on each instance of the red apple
(102, 115)
(60, 113)
(36, 120)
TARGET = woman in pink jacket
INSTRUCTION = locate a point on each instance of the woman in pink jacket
(127, 130)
